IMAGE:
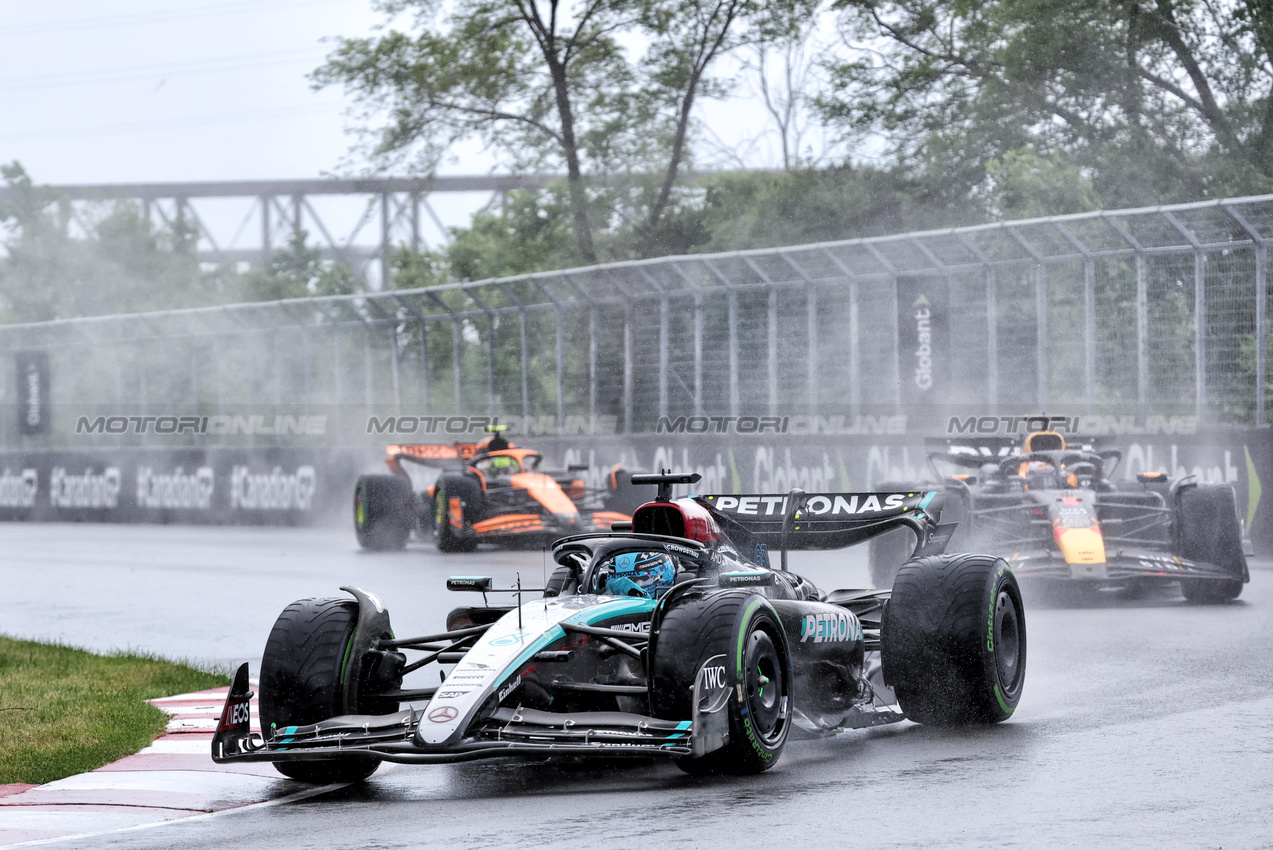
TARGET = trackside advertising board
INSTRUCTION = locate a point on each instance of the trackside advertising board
(218, 486)
(314, 485)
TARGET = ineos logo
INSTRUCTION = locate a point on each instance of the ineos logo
(241, 712)
(443, 714)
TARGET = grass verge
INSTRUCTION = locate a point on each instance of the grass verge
(64, 711)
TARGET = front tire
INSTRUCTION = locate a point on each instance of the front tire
(383, 515)
(1207, 530)
(954, 640)
(302, 681)
(744, 629)
(469, 494)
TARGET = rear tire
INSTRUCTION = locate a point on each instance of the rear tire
(447, 537)
(954, 640)
(745, 629)
(1207, 530)
(302, 677)
(383, 517)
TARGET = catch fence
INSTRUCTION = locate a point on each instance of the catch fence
(1136, 313)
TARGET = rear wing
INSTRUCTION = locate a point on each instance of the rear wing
(971, 451)
(432, 453)
(799, 520)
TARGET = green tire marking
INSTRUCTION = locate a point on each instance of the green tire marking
(1002, 704)
(344, 665)
(742, 632)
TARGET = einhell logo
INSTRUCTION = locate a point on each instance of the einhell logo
(17, 490)
(272, 491)
(175, 489)
(924, 339)
(89, 490)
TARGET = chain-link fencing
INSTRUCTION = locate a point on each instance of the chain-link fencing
(1141, 313)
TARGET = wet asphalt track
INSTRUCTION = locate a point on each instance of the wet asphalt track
(1145, 723)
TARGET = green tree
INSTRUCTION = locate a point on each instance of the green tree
(120, 263)
(551, 85)
(297, 271)
(1156, 100)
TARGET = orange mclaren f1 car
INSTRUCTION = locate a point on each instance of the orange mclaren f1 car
(490, 491)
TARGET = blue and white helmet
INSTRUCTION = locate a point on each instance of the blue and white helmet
(646, 574)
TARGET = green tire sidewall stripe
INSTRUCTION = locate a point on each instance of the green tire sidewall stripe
(344, 664)
(748, 726)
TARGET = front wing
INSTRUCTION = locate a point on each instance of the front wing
(506, 732)
(1121, 565)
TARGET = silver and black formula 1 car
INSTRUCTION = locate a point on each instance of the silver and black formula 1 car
(1060, 520)
(673, 636)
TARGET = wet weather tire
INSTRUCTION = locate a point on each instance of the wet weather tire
(447, 537)
(953, 640)
(744, 629)
(302, 677)
(1208, 531)
(383, 517)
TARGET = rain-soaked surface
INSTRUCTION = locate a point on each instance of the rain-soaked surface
(1145, 723)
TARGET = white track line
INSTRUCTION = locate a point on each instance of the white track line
(278, 801)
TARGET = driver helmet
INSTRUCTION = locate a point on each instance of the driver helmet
(1039, 475)
(646, 574)
(502, 465)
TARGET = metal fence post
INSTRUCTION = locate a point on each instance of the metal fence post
(1200, 331)
(811, 332)
(698, 354)
(1041, 336)
(368, 395)
(425, 377)
(663, 318)
(1142, 334)
(457, 364)
(1089, 333)
(561, 369)
(592, 369)
(490, 364)
(627, 367)
(897, 338)
(855, 351)
(992, 338)
(521, 327)
(772, 328)
(1261, 329)
(734, 399)
(397, 379)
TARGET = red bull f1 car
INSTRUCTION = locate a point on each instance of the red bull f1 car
(1060, 520)
(673, 636)
(490, 491)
